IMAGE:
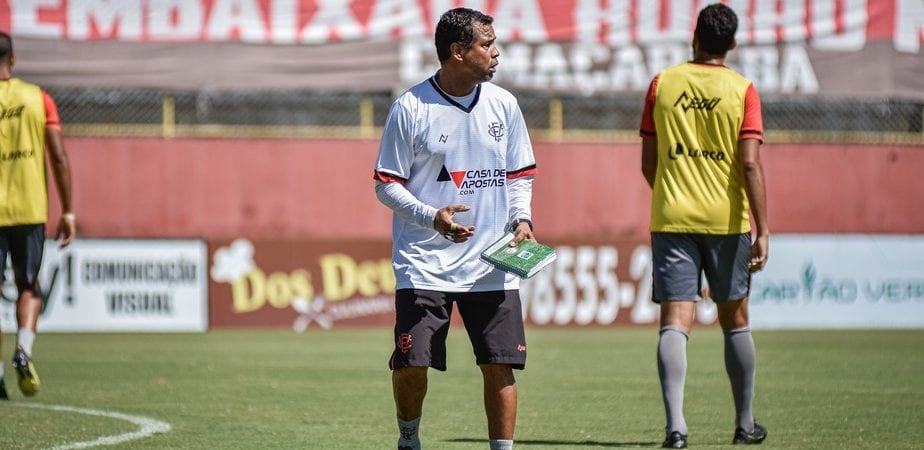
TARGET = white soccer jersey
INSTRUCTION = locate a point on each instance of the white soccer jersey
(445, 153)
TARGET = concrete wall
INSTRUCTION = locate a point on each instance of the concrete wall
(320, 189)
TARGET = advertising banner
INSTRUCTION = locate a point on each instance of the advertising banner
(841, 281)
(596, 283)
(811, 281)
(323, 284)
(301, 284)
(827, 47)
(97, 285)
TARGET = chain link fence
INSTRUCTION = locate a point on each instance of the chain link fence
(321, 114)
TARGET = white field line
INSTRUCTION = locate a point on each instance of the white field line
(148, 426)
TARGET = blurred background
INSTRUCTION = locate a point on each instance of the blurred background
(222, 155)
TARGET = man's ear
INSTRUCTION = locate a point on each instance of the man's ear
(734, 43)
(455, 50)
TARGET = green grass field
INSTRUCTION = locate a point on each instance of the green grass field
(583, 389)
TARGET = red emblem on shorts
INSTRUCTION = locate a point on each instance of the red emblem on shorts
(405, 341)
(521, 348)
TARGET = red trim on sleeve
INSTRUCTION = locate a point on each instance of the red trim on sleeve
(52, 119)
(528, 171)
(647, 128)
(752, 125)
(387, 178)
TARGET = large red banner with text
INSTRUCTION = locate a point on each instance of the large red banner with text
(827, 47)
(325, 284)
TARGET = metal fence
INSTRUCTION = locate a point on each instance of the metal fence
(319, 114)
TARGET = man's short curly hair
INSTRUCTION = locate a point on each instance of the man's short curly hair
(456, 25)
(715, 28)
(6, 46)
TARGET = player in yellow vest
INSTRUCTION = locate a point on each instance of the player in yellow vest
(29, 124)
(701, 135)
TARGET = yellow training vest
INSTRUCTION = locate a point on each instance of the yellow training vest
(698, 187)
(23, 188)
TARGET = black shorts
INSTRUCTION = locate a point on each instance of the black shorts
(25, 244)
(493, 320)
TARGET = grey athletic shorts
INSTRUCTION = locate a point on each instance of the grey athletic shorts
(25, 244)
(680, 259)
(493, 320)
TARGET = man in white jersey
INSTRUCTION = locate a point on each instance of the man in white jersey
(456, 166)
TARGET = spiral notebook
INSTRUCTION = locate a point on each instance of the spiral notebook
(524, 260)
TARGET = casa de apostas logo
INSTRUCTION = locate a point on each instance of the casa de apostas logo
(468, 181)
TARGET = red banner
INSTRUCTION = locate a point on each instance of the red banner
(829, 47)
(325, 284)
(828, 24)
(300, 284)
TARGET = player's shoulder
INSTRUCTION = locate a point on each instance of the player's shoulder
(499, 97)
(495, 92)
(19, 83)
(421, 89)
(737, 76)
(714, 72)
(420, 93)
(684, 69)
(25, 91)
(407, 102)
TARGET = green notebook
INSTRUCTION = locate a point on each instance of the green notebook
(524, 260)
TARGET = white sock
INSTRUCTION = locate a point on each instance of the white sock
(501, 444)
(407, 436)
(1, 370)
(24, 339)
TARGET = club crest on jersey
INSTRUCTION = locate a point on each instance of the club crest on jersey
(468, 181)
(496, 130)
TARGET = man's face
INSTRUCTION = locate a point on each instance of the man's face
(481, 58)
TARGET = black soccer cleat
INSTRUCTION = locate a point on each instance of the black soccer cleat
(28, 378)
(675, 440)
(755, 437)
(3, 394)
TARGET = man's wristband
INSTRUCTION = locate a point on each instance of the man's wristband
(69, 216)
(517, 222)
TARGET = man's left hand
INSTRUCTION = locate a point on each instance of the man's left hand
(522, 232)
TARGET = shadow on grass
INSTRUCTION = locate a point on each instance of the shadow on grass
(519, 442)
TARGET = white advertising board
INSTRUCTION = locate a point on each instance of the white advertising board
(810, 281)
(840, 281)
(101, 285)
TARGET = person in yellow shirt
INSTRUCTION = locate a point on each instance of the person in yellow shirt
(701, 134)
(29, 124)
